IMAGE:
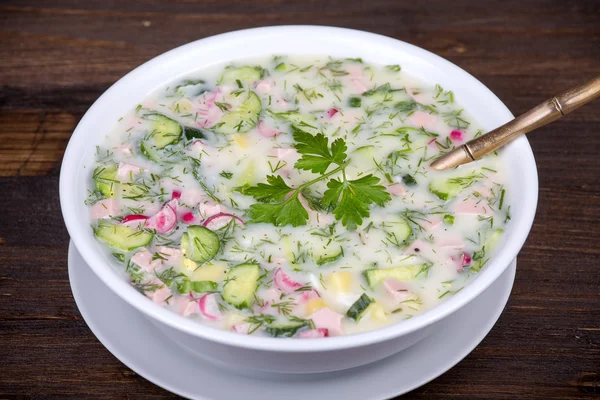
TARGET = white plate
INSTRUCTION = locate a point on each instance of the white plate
(131, 338)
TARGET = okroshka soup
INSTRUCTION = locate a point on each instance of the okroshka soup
(292, 197)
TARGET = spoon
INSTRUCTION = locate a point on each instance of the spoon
(543, 114)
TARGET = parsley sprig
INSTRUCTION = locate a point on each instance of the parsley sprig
(349, 200)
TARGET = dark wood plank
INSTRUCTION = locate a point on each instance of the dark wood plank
(58, 57)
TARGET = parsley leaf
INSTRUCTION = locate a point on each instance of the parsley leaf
(316, 154)
(290, 212)
(274, 190)
(351, 199)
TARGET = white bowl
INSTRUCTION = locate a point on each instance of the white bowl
(288, 355)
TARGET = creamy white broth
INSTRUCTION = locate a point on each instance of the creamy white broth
(311, 275)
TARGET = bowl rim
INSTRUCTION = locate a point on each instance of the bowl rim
(84, 241)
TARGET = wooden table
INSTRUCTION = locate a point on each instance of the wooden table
(58, 56)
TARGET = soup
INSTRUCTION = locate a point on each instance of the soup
(292, 197)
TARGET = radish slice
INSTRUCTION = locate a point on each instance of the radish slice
(314, 333)
(220, 220)
(331, 112)
(133, 217)
(188, 217)
(284, 282)
(209, 307)
(176, 194)
(456, 136)
(165, 220)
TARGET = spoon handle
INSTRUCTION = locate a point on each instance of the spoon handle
(548, 111)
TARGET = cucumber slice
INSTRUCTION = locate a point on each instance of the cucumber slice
(357, 309)
(399, 228)
(285, 329)
(242, 118)
(241, 283)
(187, 286)
(306, 123)
(242, 74)
(105, 180)
(444, 189)
(375, 276)
(122, 236)
(165, 131)
(149, 151)
(327, 253)
(200, 244)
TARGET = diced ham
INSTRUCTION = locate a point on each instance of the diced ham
(285, 282)
(454, 243)
(191, 197)
(209, 307)
(144, 260)
(165, 220)
(186, 306)
(431, 223)
(397, 289)
(209, 208)
(266, 130)
(263, 86)
(105, 208)
(124, 149)
(325, 318)
(314, 333)
(358, 81)
(209, 113)
(472, 207)
(423, 119)
(396, 189)
(172, 255)
(126, 171)
(159, 295)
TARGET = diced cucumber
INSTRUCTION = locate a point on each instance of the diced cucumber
(409, 180)
(105, 180)
(354, 102)
(241, 283)
(448, 219)
(306, 123)
(285, 329)
(281, 67)
(200, 244)
(326, 253)
(375, 276)
(444, 189)
(122, 236)
(493, 239)
(242, 118)
(242, 74)
(187, 286)
(247, 176)
(132, 190)
(357, 309)
(165, 131)
(399, 228)
(193, 133)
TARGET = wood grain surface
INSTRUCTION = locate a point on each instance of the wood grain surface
(57, 57)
